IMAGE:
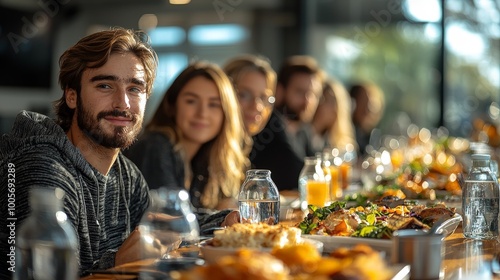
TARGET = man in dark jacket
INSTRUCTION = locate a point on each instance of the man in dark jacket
(282, 145)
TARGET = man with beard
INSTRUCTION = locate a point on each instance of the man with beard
(106, 78)
(282, 145)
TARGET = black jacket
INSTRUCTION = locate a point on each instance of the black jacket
(162, 166)
(275, 149)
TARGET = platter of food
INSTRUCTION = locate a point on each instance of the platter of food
(300, 261)
(432, 172)
(337, 225)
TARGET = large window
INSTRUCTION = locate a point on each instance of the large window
(398, 45)
(472, 63)
(178, 45)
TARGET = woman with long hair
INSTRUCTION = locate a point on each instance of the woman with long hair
(194, 139)
(254, 81)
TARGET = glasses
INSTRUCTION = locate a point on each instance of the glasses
(247, 97)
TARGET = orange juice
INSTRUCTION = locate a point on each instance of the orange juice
(335, 190)
(317, 193)
(345, 170)
(397, 158)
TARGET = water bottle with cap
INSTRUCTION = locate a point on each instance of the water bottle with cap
(480, 200)
(484, 148)
(46, 241)
(258, 199)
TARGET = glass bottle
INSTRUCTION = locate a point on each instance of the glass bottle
(258, 199)
(313, 186)
(480, 200)
(46, 242)
(484, 148)
(169, 228)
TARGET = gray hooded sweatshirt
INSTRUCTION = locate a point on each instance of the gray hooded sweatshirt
(103, 209)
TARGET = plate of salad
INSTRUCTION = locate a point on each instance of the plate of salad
(373, 224)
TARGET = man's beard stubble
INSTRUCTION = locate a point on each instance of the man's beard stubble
(122, 137)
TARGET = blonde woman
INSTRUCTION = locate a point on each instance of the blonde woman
(194, 139)
(332, 126)
(254, 81)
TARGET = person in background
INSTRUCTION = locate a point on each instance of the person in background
(332, 125)
(368, 109)
(194, 139)
(254, 81)
(284, 142)
(106, 80)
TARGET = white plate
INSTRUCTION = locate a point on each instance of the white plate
(211, 253)
(330, 243)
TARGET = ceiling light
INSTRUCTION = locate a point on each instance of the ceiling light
(179, 2)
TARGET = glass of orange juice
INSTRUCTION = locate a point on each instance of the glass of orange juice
(345, 174)
(317, 193)
(331, 158)
(313, 183)
(335, 189)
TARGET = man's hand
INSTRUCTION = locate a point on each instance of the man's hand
(231, 218)
(134, 248)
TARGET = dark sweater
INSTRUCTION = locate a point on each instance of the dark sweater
(103, 209)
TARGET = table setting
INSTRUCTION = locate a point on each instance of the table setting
(399, 210)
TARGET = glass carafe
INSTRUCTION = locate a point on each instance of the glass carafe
(259, 198)
(46, 241)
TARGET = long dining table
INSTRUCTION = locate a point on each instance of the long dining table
(463, 259)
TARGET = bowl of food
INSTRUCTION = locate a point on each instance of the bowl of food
(258, 237)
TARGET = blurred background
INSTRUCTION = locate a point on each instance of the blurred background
(437, 61)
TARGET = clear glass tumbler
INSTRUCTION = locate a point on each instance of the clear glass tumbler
(169, 227)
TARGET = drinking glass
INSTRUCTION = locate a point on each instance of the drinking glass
(332, 161)
(349, 158)
(317, 193)
(314, 188)
(169, 225)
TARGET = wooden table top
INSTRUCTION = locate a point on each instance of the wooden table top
(467, 258)
(463, 259)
